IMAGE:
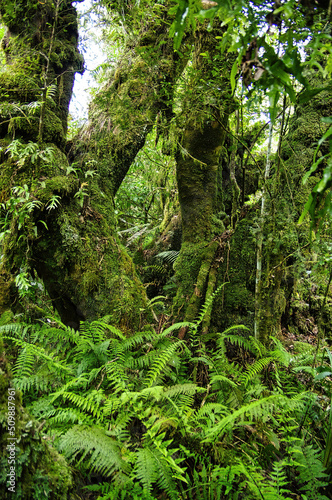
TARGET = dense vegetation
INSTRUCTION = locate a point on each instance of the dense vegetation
(165, 265)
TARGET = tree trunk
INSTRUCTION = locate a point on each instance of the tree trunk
(207, 108)
(61, 222)
(284, 299)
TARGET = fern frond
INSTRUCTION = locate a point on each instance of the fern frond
(116, 374)
(93, 332)
(243, 342)
(17, 329)
(264, 407)
(312, 474)
(169, 256)
(280, 353)
(208, 303)
(67, 416)
(116, 333)
(146, 468)
(211, 410)
(222, 378)
(137, 339)
(234, 328)
(160, 363)
(26, 383)
(82, 441)
(156, 464)
(142, 362)
(254, 369)
(89, 403)
(187, 388)
(79, 382)
(64, 334)
(37, 352)
(25, 362)
(176, 326)
(167, 475)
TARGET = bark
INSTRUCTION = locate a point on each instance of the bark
(207, 108)
(140, 88)
(71, 247)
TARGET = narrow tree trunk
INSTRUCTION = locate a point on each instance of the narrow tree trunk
(261, 315)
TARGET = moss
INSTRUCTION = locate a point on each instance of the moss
(59, 184)
(191, 275)
(40, 472)
(237, 267)
(16, 85)
(6, 285)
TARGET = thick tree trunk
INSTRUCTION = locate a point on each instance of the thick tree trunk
(63, 226)
(140, 88)
(207, 109)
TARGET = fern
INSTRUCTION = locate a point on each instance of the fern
(160, 363)
(89, 403)
(156, 464)
(263, 408)
(25, 362)
(147, 468)
(168, 256)
(31, 352)
(104, 453)
(128, 409)
(254, 369)
(66, 416)
(276, 487)
(208, 304)
(129, 489)
(177, 326)
(32, 381)
(311, 471)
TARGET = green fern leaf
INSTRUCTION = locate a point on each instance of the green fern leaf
(104, 452)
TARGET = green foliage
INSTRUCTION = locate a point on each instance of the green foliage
(319, 202)
(127, 408)
(30, 152)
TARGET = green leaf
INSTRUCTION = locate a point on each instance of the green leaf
(234, 71)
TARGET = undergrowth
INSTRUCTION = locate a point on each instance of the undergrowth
(155, 417)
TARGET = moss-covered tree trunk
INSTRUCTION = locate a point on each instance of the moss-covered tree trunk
(207, 107)
(61, 224)
(287, 255)
(139, 88)
(286, 299)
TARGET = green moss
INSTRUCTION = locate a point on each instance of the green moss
(40, 472)
(59, 184)
(237, 267)
(16, 85)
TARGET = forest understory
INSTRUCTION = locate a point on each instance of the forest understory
(165, 262)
